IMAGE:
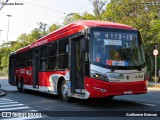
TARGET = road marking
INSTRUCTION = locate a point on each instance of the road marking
(32, 110)
(8, 103)
(17, 108)
(152, 105)
(4, 99)
(11, 105)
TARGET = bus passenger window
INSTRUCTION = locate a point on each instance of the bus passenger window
(52, 64)
(43, 58)
(63, 54)
(28, 58)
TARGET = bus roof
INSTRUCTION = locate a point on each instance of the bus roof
(71, 29)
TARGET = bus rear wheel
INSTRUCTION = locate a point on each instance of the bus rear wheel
(109, 98)
(19, 86)
(22, 86)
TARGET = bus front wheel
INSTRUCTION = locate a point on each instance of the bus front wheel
(64, 91)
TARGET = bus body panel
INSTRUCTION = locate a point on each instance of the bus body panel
(24, 73)
(118, 82)
(98, 88)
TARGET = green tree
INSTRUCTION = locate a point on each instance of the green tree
(98, 6)
(42, 28)
(34, 35)
(53, 27)
(72, 17)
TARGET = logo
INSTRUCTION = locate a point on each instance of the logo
(6, 114)
(127, 77)
(118, 76)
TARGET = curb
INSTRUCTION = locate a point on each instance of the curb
(151, 86)
(1, 93)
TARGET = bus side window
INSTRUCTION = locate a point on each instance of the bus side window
(63, 54)
(20, 60)
(29, 58)
(43, 58)
(23, 59)
(52, 64)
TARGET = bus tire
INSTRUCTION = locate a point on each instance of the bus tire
(109, 98)
(64, 91)
(19, 86)
(22, 85)
(17, 83)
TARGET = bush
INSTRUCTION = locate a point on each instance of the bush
(2, 73)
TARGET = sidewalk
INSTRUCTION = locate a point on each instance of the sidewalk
(4, 86)
(1, 92)
(152, 84)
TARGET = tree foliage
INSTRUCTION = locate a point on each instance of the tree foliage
(22, 41)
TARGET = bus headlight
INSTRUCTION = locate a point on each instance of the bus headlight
(99, 75)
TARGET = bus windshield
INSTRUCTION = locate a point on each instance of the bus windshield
(117, 48)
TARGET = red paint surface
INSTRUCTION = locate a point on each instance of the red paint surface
(92, 85)
(44, 77)
(113, 88)
(28, 79)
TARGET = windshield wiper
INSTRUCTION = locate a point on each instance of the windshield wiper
(135, 65)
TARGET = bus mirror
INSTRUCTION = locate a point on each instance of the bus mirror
(83, 45)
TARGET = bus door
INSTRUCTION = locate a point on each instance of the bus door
(35, 67)
(77, 67)
(11, 70)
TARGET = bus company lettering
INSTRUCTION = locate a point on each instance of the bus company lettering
(22, 71)
(38, 43)
(28, 72)
(17, 71)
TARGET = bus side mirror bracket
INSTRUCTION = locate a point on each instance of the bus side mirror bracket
(83, 44)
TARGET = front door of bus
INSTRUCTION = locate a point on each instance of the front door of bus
(35, 68)
(77, 67)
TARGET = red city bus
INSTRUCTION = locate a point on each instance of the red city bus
(86, 59)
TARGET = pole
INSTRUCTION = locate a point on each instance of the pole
(0, 34)
(155, 68)
(8, 27)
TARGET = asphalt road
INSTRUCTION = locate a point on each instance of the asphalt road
(129, 107)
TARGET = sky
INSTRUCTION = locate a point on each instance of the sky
(26, 16)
